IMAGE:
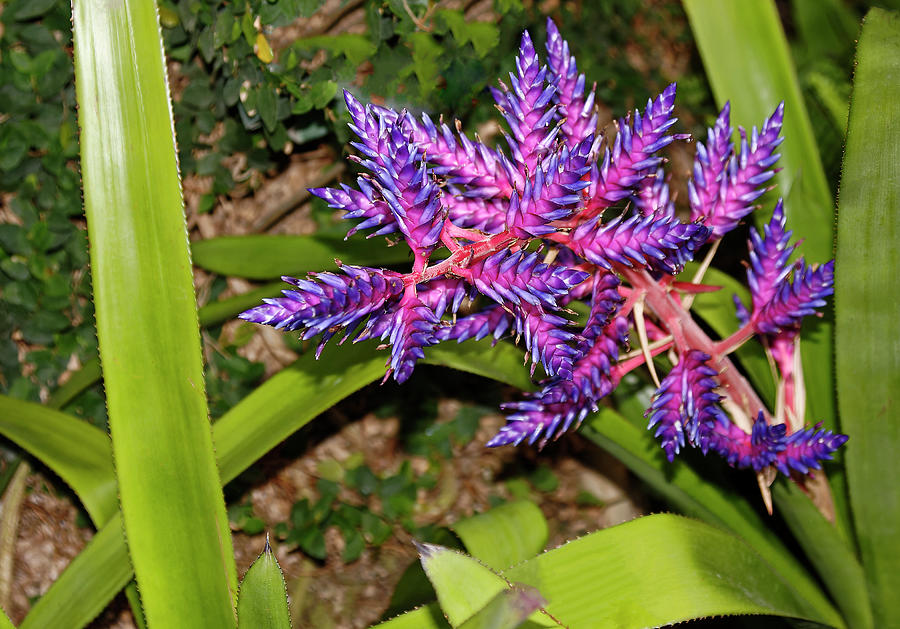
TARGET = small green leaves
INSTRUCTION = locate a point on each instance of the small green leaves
(262, 602)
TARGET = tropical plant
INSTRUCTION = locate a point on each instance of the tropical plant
(166, 467)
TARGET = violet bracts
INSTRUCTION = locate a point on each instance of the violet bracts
(570, 216)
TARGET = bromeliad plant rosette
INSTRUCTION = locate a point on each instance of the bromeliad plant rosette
(566, 216)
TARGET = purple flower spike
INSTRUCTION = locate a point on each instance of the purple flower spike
(653, 196)
(546, 339)
(528, 109)
(411, 328)
(743, 178)
(329, 302)
(796, 299)
(414, 199)
(553, 193)
(709, 166)
(805, 449)
(579, 116)
(632, 156)
(660, 243)
(464, 163)
(513, 278)
(487, 215)
(366, 205)
(769, 255)
(493, 321)
(372, 129)
(758, 450)
(686, 406)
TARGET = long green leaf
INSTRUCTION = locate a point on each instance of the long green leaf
(746, 57)
(505, 535)
(427, 617)
(508, 610)
(659, 570)
(75, 450)
(833, 558)
(5, 622)
(265, 257)
(695, 495)
(171, 496)
(867, 300)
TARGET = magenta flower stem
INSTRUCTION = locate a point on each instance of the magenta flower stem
(688, 335)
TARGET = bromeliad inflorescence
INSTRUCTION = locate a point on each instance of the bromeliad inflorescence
(568, 215)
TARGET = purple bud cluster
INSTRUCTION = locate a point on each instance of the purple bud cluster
(527, 237)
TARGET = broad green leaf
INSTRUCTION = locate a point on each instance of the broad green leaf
(695, 495)
(87, 585)
(172, 504)
(5, 622)
(660, 570)
(505, 535)
(262, 603)
(74, 449)
(265, 257)
(427, 617)
(463, 585)
(746, 57)
(507, 610)
(867, 300)
(503, 362)
(833, 558)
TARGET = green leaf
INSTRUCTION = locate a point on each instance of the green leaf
(263, 603)
(660, 570)
(5, 622)
(508, 610)
(505, 535)
(693, 494)
(267, 257)
(463, 585)
(867, 300)
(425, 53)
(75, 450)
(833, 558)
(171, 496)
(427, 617)
(746, 57)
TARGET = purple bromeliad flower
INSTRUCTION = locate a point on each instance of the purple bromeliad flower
(527, 238)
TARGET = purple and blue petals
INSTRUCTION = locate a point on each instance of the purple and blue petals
(578, 113)
(494, 321)
(632, 157)
(793, 300)
(552, 194)
(605, 303)
(659, 243)
(806, 449)
(373, 129)
(487, 215)
(685, 408)
(743, 179)
(464, 163)
(758, 450)
(547, 340)
(769, 255)
(443, 295)
(528, 108)
(710, 162)
(411, 328)
(653, 196)
(366, 205)
(415, 200)
(328, 302)
(519, 277)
